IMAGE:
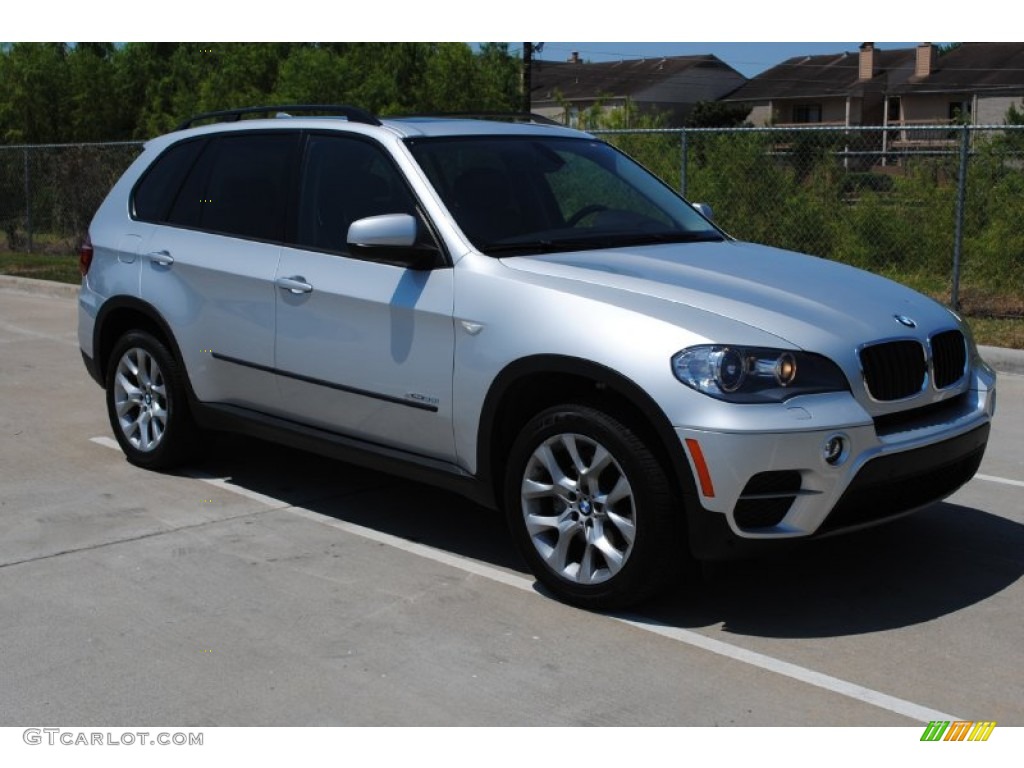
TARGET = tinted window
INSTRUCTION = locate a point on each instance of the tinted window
(240, 186)
(346, 179)
(534, 194)
(156, 192)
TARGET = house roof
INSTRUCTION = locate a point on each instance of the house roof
(584, 80)
(826, 75)
(973, 67)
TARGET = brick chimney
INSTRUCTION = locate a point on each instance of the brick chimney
(867, 69)
(923, 62)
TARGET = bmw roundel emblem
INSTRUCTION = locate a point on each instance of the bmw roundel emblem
(904, 320)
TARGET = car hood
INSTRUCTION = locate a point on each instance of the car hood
(811, 303)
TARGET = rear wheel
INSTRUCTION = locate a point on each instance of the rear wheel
(146, 402)
(592, 509)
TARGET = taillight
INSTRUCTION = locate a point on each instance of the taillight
(85, 255)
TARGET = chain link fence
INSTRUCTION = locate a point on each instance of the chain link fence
(938, 207)
(49, 193)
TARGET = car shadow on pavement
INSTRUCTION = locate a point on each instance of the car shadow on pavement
(926, 565)
(385, 503)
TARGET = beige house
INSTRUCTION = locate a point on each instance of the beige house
(973, 83)
(903, 87)
(842, 89)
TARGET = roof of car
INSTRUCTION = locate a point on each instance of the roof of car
(448, 126)
(319, 116)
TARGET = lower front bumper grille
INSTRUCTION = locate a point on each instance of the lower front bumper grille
(889, 485)
(766, 499)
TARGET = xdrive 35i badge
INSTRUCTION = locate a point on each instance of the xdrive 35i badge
(423, 398)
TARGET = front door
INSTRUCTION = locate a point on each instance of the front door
(363, 348)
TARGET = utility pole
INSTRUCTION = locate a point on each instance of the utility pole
(527, 65)
(528, 50)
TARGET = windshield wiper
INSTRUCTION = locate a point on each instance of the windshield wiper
(615, 240)
(646, 238)
(533, 246)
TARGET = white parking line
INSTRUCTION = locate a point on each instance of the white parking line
(687, 637)
(1003, 480)
(794, 671)
(67, 338)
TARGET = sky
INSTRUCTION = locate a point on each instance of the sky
(747, 58)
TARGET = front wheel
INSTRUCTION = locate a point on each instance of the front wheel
(146, 402)
(591, 509)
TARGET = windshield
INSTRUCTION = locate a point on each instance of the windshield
(519, 194)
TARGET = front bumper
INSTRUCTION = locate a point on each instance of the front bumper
(766, 487)
(889, 485)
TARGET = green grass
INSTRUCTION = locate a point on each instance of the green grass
(61, 269)
(998, 332)
(992, 331)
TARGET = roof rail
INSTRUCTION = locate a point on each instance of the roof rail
(353, 114)
(512, 117)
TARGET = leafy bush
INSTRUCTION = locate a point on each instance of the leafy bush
(809, 192)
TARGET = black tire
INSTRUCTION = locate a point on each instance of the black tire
(589, 544)
(146, 384)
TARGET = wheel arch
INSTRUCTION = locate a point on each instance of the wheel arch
(529, 385)
(126, 313)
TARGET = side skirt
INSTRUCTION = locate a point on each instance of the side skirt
(422, 469)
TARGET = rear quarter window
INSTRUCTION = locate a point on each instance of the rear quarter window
(157, 190)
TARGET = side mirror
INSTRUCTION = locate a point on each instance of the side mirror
(392, 239)
(704, 210)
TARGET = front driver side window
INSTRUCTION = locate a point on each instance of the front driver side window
(345, 179)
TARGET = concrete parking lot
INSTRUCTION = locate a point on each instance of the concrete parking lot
(264, 586)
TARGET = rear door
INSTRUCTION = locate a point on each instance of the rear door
(210, 264)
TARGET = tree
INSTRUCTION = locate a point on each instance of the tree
(1013, 115)
(717, 114)
(57, 92)
(498, 80)
(315, 74)
(35, 93)
(450, 80)
(91, 114)
(235, 74)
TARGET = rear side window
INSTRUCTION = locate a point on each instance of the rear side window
(240, 186)
(156, 192)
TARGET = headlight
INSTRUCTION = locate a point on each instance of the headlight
(756, 374)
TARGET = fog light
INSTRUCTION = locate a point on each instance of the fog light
(835, 450)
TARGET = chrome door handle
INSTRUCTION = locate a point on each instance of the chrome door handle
(295, 284)
(163, 258)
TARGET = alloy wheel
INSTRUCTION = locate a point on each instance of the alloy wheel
(579, 508)
(140, 399)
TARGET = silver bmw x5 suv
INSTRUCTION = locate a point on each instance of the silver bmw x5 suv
(523, 314)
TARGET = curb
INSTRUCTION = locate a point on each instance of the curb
(1003, 360)
(38, 287)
